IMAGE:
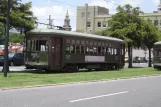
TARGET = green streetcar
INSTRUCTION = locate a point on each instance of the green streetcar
(50, 49)
(157, 55)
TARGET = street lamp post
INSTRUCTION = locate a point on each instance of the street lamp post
(6, 66)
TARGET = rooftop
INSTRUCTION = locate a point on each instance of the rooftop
(69, 33)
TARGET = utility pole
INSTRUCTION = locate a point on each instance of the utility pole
(6, 65)
(50, 22)
(86, 15)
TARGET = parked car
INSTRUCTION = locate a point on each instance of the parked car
(138, 59)
(1, 60)
(15, 59)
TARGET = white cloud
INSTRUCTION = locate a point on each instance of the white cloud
(112, 4)
(57, 13)
(156, 2)
(131, 2)
(102, 3)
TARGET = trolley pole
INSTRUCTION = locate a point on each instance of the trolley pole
(6, 66)
(50, 21)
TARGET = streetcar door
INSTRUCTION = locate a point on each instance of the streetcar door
(56, 53)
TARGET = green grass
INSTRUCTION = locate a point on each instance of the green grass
(30, 79)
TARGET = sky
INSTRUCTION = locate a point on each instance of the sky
(58, 8)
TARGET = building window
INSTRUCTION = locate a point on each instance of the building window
(83, 14)
(88, 24)
(109, 23)
(98, 24)
(156, 22)
(150, 21)
(104, 24)
(88, 15)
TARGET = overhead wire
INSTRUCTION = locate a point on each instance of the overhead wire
(111, 2)
(64, 3)
(76, 6)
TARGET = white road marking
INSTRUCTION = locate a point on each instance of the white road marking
(98, 96)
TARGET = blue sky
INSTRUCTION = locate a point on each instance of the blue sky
(43, 8)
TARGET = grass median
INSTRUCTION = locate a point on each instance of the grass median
(39, 78)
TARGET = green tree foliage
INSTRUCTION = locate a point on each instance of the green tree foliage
(151, 35)
(2, 33)
(16, 38)
(21, 16)
(127, 25)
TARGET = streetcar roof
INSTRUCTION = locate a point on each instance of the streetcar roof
(157, 43)
(70, 33)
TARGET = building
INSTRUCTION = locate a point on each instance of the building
(67, 22)
(93, 19)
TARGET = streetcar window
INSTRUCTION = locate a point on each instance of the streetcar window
(95, 43)
(91, 50)
(91, 43)
(87, 42)
(77, 49)
(72, 49)
(67, 48)
(95, 50)
(107, 51)
(103, 50)
(117, 52)
(82, 49)
(78, 42)
(159, 54)
(73, 41)
(114, 51)
(87, 49)
(111, 51)
(82, 42)
(122, 51)
(99, 50)
(68, 41)
(43, 45)
(156, 53)
(32, 45)
(38, 45)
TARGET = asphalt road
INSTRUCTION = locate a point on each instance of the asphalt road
(22, 68)
(15, 68)
(141, 92)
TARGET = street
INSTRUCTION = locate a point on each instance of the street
(140, 92)
(15, 68)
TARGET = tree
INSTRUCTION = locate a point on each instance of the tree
(2, 33)
(16, 38)
(151, 35)
(21, 17)
(127, 25)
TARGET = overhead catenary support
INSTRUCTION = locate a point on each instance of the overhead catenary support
(6, 65)
(50, 22)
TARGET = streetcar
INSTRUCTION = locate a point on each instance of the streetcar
(157, 55)
(51, 49)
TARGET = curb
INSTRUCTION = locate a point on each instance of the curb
(58, 84)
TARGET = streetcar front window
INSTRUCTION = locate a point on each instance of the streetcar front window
(37, 45)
